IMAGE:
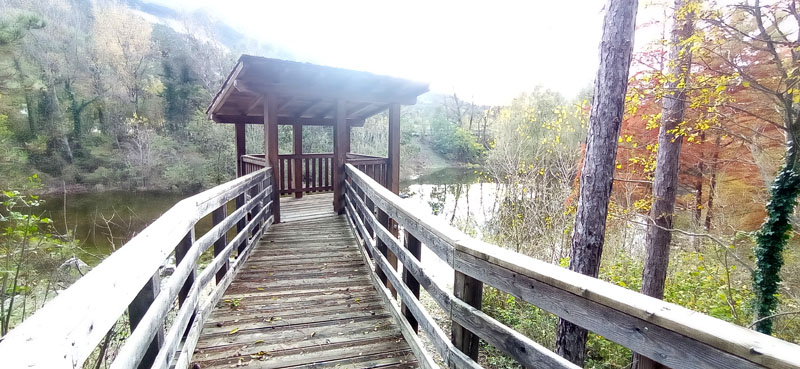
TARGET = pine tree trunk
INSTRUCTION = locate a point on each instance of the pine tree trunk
(598, 168)
(665, 181)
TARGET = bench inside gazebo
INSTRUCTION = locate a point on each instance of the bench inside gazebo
(277, 92)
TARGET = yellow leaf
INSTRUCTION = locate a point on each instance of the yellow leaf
(233, 331)
(746, 84)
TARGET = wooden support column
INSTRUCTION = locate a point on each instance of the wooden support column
(217, 216)
(414, 246)
(393, 175)
(240, 149)
(271, 151)
(136, 310)
(180, 253)
(469, 290)
(297, 145)
(240, 225)
(340, 144)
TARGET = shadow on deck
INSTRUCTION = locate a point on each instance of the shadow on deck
(303, 299)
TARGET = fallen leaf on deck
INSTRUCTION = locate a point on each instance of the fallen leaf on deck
(233, 331)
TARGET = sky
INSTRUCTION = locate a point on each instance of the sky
(486, 51)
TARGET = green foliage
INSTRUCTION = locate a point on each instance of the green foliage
(693, 282)
(30, 252)
(770, 242)
(455, 143)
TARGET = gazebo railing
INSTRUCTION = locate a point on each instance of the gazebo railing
(375, 167)
(305, 173)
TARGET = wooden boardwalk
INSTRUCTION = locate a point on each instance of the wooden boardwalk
(303, 299)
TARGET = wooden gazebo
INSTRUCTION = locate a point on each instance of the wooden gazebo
(272, 92)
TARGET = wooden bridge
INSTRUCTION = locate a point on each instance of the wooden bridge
(336, 282)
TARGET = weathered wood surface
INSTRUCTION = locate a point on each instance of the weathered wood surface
(65, 331)
(303, 298)
(668, 333)
(519, 347)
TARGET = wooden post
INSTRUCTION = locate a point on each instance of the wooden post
(180, 253)
(256, 208)
(240, 149)
(136, 310)
(217, 216)
(393, 174)
(340, 144)
(271, 151)
(297, 144)
(469, 290)
(240, 225)
(414, 246)
(383, 219)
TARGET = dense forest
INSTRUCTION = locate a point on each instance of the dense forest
(102, 95)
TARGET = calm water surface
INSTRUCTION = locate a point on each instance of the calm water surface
(104, 221)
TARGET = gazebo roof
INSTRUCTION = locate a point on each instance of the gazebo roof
(306, 93)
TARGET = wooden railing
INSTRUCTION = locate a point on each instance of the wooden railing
(304, 173)
(315, 170)
(667, 333)
(252, 163)
(165, 317)
(375, 167)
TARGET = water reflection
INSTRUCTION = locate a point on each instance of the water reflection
(460, 196)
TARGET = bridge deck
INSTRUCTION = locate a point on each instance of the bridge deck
(303, 299)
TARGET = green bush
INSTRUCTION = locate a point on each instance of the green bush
(455, 143)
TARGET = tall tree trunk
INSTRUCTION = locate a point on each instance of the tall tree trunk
(601, 150)
(698, 186)
(712, 186)
(774, 233)
(665, 181)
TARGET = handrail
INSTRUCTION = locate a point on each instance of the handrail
(665, 332)
(65, 332)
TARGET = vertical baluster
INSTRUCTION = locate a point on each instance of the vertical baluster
(313, 174)
(308, 174)
(469, 290)
(180, 253)
(289, 177)
(217, 216)
(136, 310)
(319, 173)
(414, 246)
(253, 191)
(240, 202)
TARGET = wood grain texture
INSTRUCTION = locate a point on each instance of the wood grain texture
(669, 333)
(303, 298)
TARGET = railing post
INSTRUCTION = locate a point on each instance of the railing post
(383, 219)
(469, 290)
(136, 310)
(415, 247)
(240, 224)
(252, 192)
(180, 253)
(217, 216)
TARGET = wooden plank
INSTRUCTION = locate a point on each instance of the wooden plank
(271, 148)
(282, 120)
(240, 149)
(216, 218)
(393, 172)
(74, 322)
(726, 339)
(415, 248)
(137, 309)
(297, 145)
(521, 348)
(339, 154)
(424, 358)
(152, 321)
(469, 290)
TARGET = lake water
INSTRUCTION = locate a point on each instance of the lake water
(104, 221)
